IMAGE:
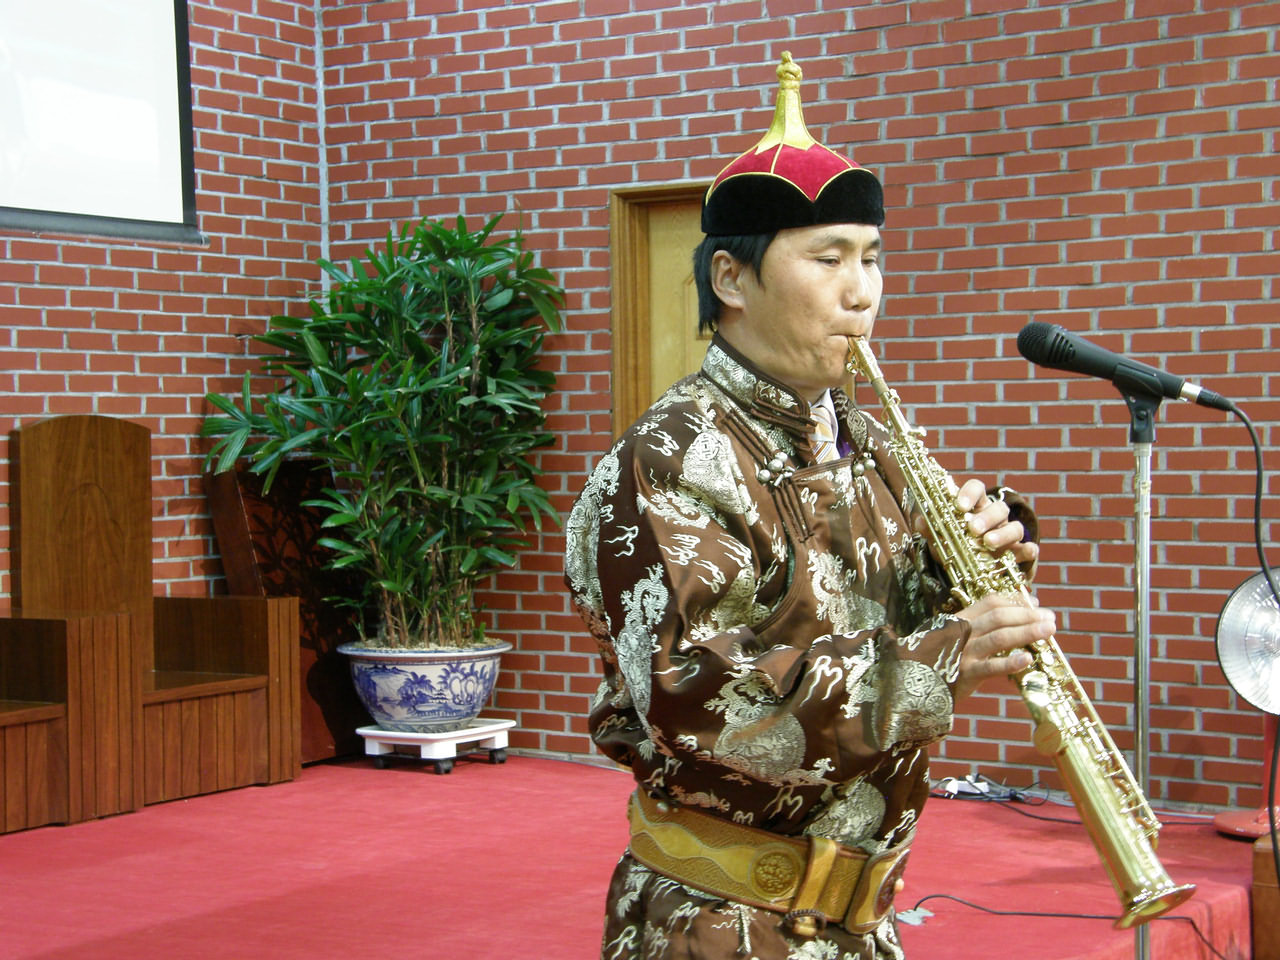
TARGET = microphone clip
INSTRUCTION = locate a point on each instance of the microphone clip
(1142, 414)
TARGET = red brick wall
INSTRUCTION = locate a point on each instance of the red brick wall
(142, 330)
(1108, 168)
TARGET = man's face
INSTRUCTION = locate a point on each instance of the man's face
(817, 287)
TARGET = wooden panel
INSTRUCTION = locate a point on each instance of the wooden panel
(231, 527)
(207, 744)
(47, 771)
(107, 732)
(171, 755)
(224, 738)
(36, 775)
(13, 774)
(33, 727)
(269, 546)
(33, 660)
(232, 737)
(59, 766)
(104, 716)
(202, 745)
(129, 665)
(33, 773)
(160, 757)
(223, 711)
(153, 765)
(260, 746)
(14, 713)
(284, 704)
(163, 686)
(253, 753)
(189, 748)
(210, 634)
(1266, 903)
(243, 723)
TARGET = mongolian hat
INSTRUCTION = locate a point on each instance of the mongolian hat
(788, 179)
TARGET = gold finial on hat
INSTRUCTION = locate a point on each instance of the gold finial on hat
(788, 125)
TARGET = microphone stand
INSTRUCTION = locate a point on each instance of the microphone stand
(1142, 434)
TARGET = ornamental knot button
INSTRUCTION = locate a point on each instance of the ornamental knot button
(775, 874)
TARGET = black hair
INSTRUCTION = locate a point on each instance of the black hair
(748, 250)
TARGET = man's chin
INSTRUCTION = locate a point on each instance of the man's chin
(838, 373)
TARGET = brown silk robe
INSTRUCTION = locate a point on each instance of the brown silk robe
(774, 651)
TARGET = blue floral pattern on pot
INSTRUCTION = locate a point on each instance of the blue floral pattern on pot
(424, 690)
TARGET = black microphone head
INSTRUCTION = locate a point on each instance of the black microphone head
(1050, 345)
(1039, 342)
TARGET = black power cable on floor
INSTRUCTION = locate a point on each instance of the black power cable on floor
(1065, 916)
(1011, 797)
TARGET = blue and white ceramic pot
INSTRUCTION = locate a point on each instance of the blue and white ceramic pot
(424, 691)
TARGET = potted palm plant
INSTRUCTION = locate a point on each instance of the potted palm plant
(414, 383)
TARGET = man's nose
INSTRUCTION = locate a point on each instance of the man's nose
(858, 290)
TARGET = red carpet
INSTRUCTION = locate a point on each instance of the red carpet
(511, 862)
(505, 862)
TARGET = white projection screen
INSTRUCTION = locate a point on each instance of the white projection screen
(95, 118)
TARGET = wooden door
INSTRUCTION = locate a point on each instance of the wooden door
(655, 306)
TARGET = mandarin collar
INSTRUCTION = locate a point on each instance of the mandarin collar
(761, 395)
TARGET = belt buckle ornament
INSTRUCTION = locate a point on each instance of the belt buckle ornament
(873, 897)
(775, 872)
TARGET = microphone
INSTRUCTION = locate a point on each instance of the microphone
(1050, 345)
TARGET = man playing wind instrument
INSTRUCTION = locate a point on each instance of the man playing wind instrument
(777, 643)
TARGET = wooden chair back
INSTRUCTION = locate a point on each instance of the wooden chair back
(82, 520)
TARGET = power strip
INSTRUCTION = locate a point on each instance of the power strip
(976, 785)
(969, 786)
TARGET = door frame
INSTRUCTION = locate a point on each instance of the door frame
(631, 312)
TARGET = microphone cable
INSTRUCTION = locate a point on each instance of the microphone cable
(1275, 594)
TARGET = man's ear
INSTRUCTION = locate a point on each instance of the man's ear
(727, 274)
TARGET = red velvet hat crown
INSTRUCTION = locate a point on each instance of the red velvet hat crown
(788, 179)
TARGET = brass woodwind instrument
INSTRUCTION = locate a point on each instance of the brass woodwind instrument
(1117, 816)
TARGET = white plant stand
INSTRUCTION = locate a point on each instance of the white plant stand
(440, 749)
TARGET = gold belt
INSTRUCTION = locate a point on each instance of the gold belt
(812, 880)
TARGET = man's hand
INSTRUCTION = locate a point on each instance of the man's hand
(989, 519)
(997, 625)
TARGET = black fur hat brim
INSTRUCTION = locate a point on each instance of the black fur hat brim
(751, 203)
